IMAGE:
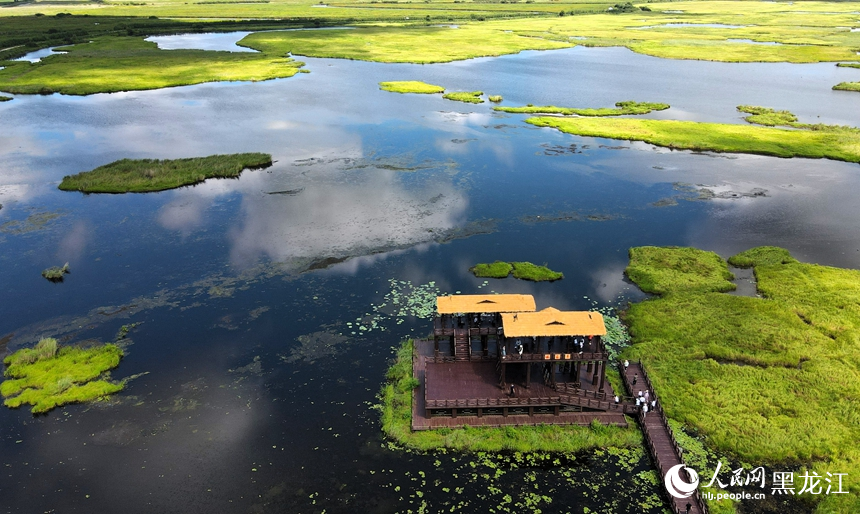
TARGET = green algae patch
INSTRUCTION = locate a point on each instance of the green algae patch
(495, 98)
(662, 270)
(472, 97)
(56, 273)
(520, 270)
(147, 175)
(498, 269)
(620, 109)
(396, 413)
(47, 376)
(773, 380)
(110, 64)
(812, 141)
(410, 86)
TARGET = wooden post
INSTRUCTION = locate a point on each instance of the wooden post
(552, 373)
(485, 345)
(596, 372)
(602, 375)
(480, 412)
(528, 374)
(588, 367)
(436, 345)
(556, 410)
(453, 413)
(504, 412)
(504, 367)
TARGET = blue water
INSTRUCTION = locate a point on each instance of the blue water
(386, 186)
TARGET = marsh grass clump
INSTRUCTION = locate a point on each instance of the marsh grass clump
(5, 98)
(495, 98)
(847, 86)
(627, 107)
(498, 269)
(472, 97)
(410, 86)
(773, 380)
(767, 116)
(56, 273)
(47, 376)
(521, 270)
(395, 409)
(147, 175)
(534, 272)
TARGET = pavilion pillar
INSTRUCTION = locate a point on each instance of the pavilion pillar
(596, 372)
(588, 367)
(504, 367)
(485, 345)
(552, 374)
(436, 346)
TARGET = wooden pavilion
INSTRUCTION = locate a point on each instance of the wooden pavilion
(494, 360)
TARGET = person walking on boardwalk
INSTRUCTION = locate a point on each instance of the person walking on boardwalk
(644, 410)
(689, 506)
(635, 376)
(513, 392)
(616, 399)
(646, 395)
(626, 365)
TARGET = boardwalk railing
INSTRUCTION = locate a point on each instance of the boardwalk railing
(555, 356)
(679, 453)
(550, 401)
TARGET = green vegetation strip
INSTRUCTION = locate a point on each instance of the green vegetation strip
(521, 270)
(410, 86)
(396, 413)
(812, 141)
(772, 380)
(621, 108)
(47, 377)
(109, 64)
(472, 97)
(5, 98)
(146, 175)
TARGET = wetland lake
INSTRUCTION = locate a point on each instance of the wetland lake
(269, 305)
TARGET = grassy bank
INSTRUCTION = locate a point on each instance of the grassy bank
(396, 415)
(110, 64)
(771, 381)
(621, 108)
(812, 141)
(47, 376)
(147, 175)
(410, 86)
(521, 270)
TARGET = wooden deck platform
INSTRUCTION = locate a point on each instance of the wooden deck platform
(474, 386)
(659, 439)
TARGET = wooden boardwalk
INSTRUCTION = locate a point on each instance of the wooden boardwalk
(659, 439)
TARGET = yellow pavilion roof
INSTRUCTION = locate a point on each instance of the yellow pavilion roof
(553, 322)
(485, 303)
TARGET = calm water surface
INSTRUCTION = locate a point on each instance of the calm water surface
(256, 380)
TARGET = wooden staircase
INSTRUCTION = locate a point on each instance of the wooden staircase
(462, 345)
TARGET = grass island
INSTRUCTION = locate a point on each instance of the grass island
(798, 140)
(410, 86)
(149, 175)
(471, 97)
(620, 109)
(48, 376)
(520, 270)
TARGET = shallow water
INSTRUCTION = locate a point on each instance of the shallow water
(253, 400)
(38, 55)
(225, 42)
